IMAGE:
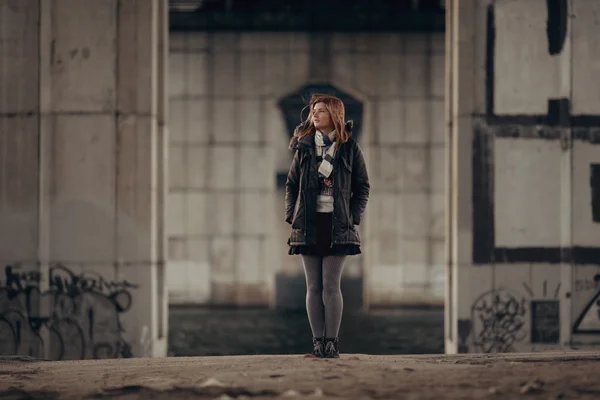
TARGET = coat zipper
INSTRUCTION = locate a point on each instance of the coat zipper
(311, 152)
(336, 163)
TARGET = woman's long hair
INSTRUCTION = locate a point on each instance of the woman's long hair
(336, 110)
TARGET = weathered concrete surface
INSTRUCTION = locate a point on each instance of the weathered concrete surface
(83, 161)
(225, 230)
(356, 376)
(508, 252)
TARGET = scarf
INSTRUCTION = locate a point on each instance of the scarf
(326, 145)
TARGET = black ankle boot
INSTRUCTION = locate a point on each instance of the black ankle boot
(318, 346)
(331, 348)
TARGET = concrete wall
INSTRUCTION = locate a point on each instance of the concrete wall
(525, 243)
(227, 237)
(82, 185)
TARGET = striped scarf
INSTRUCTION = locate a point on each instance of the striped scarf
(325, 144)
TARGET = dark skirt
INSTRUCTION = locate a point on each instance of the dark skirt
(323, 247)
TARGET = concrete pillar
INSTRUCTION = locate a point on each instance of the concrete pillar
(82, 189)
(459, 79)
(524, 117)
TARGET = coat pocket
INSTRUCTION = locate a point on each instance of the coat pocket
(347, 164)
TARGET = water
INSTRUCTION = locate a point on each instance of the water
(219, 332)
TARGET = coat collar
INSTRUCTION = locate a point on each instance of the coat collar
(309, 140)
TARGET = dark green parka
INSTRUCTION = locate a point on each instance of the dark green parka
(350, 194)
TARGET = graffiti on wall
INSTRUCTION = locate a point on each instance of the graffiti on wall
(545, 314)
(498, 318)
(588, 320)
(76, 317)
(545, 321)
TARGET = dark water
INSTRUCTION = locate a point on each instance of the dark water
(208, 332)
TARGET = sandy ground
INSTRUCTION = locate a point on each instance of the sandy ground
(353, 376)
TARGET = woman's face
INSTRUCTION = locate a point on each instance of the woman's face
(321, 118)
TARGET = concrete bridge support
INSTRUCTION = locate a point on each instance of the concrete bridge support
(82, 182)
(523, 114)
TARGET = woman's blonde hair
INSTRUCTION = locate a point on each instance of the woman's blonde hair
(336, 110)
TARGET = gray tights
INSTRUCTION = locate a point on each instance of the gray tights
(324, 302)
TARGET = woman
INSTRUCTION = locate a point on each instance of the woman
(326, 194)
